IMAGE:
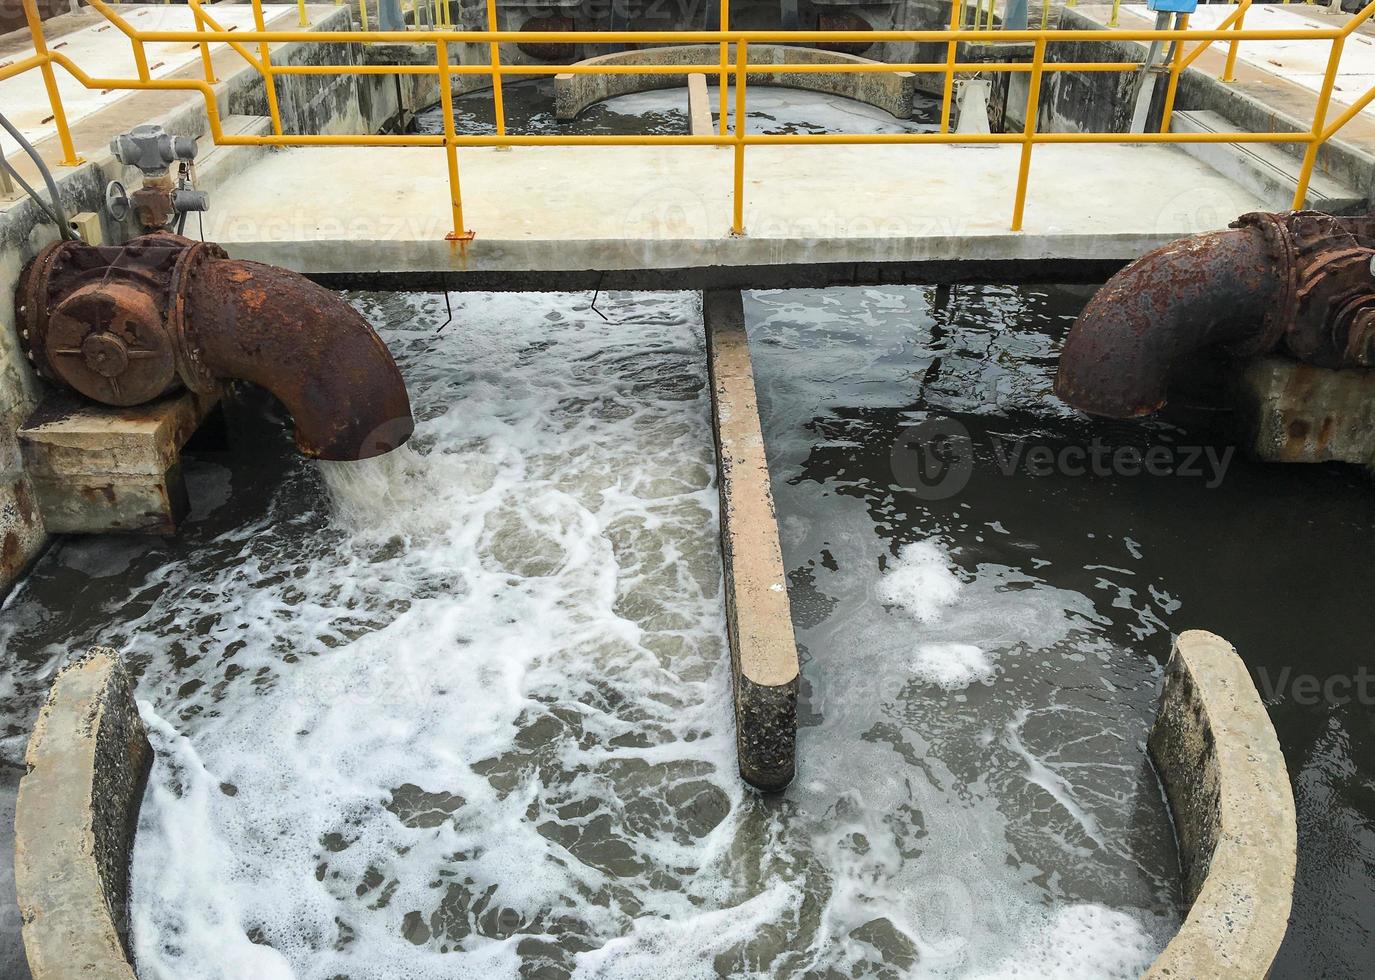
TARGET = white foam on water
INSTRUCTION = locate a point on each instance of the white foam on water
(1083, 940)
(921, 581)
(952, 666)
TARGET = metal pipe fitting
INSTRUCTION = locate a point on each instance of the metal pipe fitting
(125, 324)
(1298, 281)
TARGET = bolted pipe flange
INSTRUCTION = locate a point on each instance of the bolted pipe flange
(190, 365)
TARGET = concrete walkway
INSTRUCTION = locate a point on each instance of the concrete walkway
(353, 210)
(103, 52)
(1301, 62)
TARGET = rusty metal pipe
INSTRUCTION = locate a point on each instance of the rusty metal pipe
(127, 324)
(1209, 291)
(308, 347)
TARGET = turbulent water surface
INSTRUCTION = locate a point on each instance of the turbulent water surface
(770, 109)
(463, 712)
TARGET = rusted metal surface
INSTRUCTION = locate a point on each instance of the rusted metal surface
(309, 348)
(843, 20)
(152, 203)
(1298, 282)
(125, 324)
(541, 51)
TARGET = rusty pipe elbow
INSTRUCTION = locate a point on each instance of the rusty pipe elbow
(1211, 290)
(306, 346)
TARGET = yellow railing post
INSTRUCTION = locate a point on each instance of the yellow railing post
(1315, 137)
(206, 63)
(269, 83)
(1229, 72)
(446, 103)
(498, 105)
(956, 21)
(1116, 8)
(362, 12)
(1176, 66)
(40, 47)
(724, 82)
(301, 12)
(738, 218)
(1033, 106)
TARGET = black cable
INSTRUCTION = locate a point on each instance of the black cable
(42, 204)
(56, 212)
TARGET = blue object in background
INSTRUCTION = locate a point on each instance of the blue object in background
(1172, 6)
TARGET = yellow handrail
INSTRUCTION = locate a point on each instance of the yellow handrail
(956, 17)
(1033, 105)
(1229, 71)
(1231, 30)
(498, 105)
(269, 84)
(1176, 66)
(725, 66)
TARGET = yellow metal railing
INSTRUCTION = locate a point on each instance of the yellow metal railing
(738, 72)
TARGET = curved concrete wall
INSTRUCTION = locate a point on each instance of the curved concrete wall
(1228, 787)
(890, 91)
(1212, 743)
(88, 761)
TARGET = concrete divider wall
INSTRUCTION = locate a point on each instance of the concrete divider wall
(888, 90)
(1228, 788)
(88, 761)
(765, 671)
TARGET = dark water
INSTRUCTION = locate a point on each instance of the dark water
(529, 110)
(1005, 787)
(1269, 557)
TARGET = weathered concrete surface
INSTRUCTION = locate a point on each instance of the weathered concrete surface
(669, 207)
(1264, 169)
(891, 91)
(699, 106)
(1228, 787)
(758, 616)
(1260, 99)
(88, 760)
(1297, 413)
(97, 468)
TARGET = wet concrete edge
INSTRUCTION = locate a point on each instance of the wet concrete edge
(87, 765)
(891, 91)
(764, 661)
(1229, 792)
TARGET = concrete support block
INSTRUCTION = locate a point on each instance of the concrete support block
(88, 761)
(973, 103)
(1228, 788)
(758, 616)
(96, 468)
(699, 106)
(1297, 413)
